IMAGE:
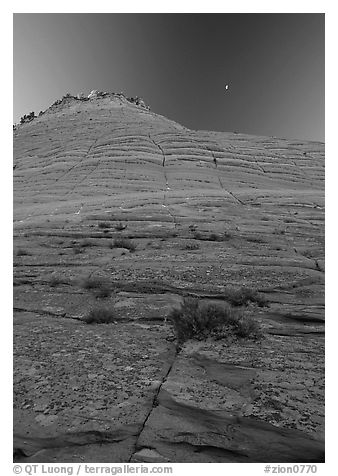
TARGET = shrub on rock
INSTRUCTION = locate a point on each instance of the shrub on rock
(197, 320)
(100, 315)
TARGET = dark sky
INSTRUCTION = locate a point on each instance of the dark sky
(180, 63)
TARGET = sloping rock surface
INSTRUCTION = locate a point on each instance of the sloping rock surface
(205, 211)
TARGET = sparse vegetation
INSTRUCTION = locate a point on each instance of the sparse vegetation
(279, 231)
(219, 237)
(91, 283)
(198, 320)
(243, 296)
(101, 286)
(77, 250)
(103, 224)
(55, 281)
(154, 245)
(120, 226)
(255, 239)
(86, 242)
(290, 220)
(22, 252)
(198, 235)
(27, 118)
(100, 315)
(247, 328)
(307, 254)
(225, 236)
(191, 246)
(103, 292)
(122, 242)
(214, 237)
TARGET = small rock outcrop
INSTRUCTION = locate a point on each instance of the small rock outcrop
(27, 118)
(68, 98)
(100, 94)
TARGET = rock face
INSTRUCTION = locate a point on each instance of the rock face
(204, 211)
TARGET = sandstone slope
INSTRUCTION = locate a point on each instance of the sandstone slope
(205, 210)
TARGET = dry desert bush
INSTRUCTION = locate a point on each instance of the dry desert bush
(22, 252)
(100, 315)
(103, 224)
(198, 320)
(242, 296)
(100, 286)
(122, 242)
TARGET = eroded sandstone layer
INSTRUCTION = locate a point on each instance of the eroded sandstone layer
(205, 211)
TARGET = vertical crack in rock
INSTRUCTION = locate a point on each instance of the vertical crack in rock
(78, 163)
(318, 267)
(154, 403)
(220, 181)
(234, 196)
(166, 180)
(159, 147)
(90, 172)
(218, 177)
(259, 166)
(213, 155)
